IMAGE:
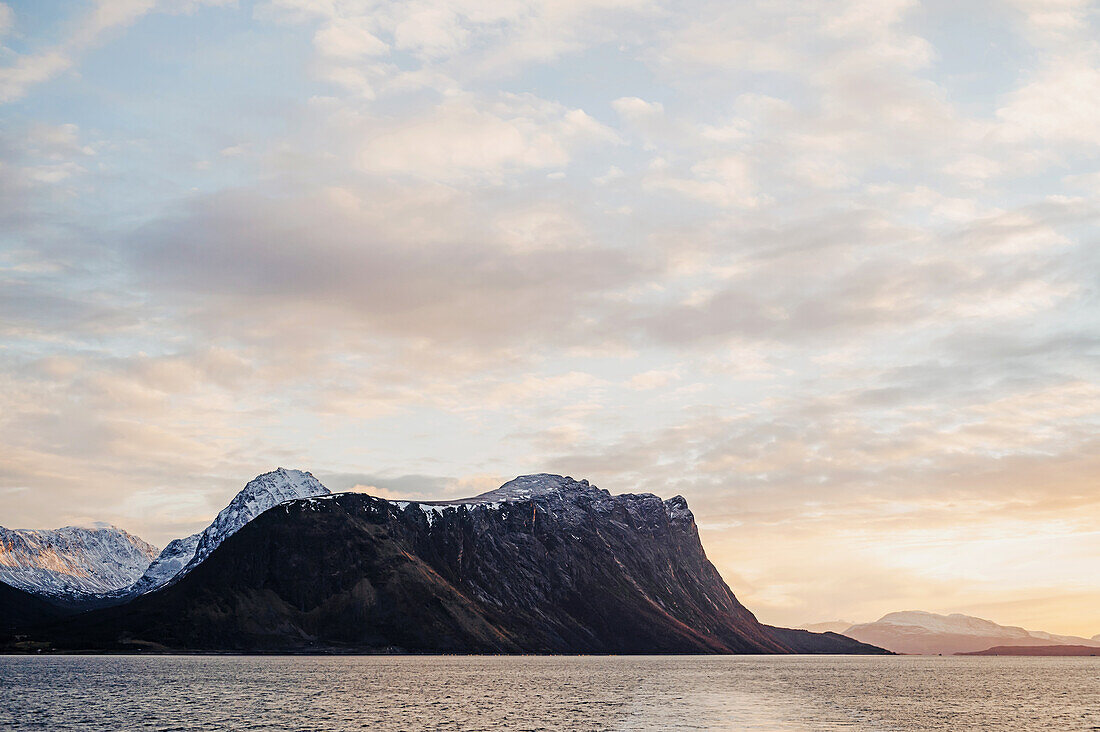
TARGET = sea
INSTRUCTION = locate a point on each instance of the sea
(403, 693)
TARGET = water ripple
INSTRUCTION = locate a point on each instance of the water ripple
(399, 693)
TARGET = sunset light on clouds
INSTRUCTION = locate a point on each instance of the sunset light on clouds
(828, 270)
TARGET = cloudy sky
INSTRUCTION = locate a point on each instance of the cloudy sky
(828, 270)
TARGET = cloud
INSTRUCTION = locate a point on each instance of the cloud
(35, 68)
(633, 108)
(724, 182)
(31, 69)
(653, 379)
(1059, 106)
(443, 276)
(438, 44)
(347, 39)
(7, 19)
(462, 137)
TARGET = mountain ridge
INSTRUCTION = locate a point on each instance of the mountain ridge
(921, 632)
(544, 564)
(259, 494)
(72, 560)
(1056, 650)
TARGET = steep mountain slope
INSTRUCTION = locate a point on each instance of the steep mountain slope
(928, 633)
(258, 495)
(171, 561)
(72, 560)
(543, 564)
(19, 608)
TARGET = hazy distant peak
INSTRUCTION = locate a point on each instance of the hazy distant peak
(917, 631)
(953, 623)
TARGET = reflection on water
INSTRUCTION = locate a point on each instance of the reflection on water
(774, 694)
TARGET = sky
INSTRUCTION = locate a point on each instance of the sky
(828, 270)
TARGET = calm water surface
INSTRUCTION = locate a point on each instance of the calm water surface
(548, 693)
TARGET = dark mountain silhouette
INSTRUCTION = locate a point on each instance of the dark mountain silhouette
(19, 608)
(544, 564)
(805, 641)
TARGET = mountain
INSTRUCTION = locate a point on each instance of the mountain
(928, 633)
(800, 640)
(259, 494)
(73, 560)
(544, 564)
(169, 563)
(21, 608)
(832, 626)
(1037, 651)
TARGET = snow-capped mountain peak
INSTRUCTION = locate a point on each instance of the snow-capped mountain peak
(258, 495)
(73, 559)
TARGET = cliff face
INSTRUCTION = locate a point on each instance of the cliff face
(544, 564)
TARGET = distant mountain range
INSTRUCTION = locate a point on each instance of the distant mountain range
(543, 564)
(102, 564)
(920, 632)
(73, 560)
(1037, 651)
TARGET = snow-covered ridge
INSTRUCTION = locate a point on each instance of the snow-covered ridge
(541, 486)
(141, 570)
(556, 492)
(167, 565)
(526, 487)
(261, 493)
(434, 510)
(72, 560)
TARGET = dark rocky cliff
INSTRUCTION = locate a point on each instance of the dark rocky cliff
(543, 565)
